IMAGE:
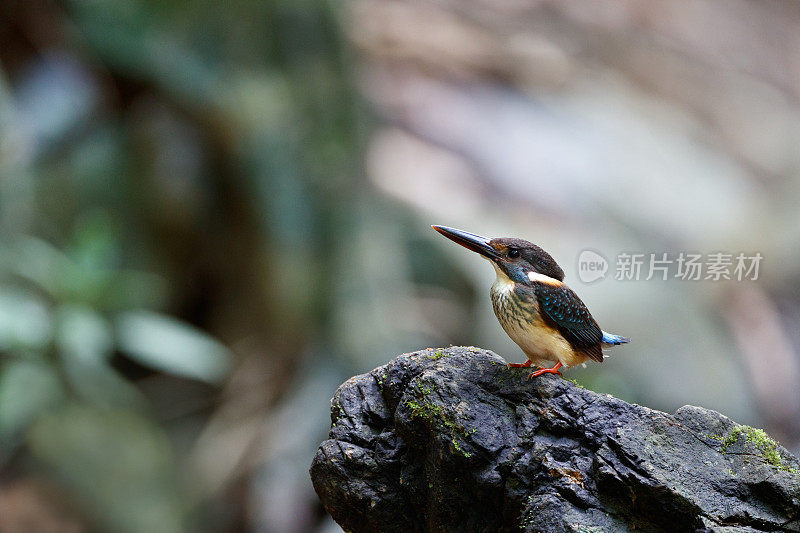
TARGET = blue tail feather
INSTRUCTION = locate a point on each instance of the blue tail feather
(610, 338)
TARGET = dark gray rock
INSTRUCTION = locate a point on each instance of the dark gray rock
(452, 440)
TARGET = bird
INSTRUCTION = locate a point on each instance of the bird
(540, 313)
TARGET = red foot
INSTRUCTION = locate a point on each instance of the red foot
(526, 364)
(541, 371)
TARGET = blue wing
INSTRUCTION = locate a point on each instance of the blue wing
(562, 309)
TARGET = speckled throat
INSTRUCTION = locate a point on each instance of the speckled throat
(514, 306)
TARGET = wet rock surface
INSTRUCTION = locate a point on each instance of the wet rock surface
(452, 440)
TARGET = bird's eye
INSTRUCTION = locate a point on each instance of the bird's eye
(513, 253)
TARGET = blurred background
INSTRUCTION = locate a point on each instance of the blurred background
(212, 214)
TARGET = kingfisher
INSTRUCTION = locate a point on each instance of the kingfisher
(535, 308)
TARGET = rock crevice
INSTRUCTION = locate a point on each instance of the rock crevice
(452, 440)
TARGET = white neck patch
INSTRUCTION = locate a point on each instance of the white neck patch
(535, 276)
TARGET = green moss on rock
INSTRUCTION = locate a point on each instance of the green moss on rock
(765, 444)
(575, 383)
(436, 415)
(437, 355)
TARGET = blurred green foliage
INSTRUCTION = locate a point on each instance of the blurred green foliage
(166, 169)
(62, 317)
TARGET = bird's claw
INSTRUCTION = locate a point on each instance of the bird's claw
(541, 371)
(526, 364)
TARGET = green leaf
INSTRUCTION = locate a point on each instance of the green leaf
(27, 389)
(25, 322)
(167, 344)
(94, 245)
(118, 462)
(83, 334)
(38, 262)
(85, 340)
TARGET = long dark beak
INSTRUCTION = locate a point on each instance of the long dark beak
(468, 240)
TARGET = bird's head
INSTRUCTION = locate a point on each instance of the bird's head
(520, 260)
